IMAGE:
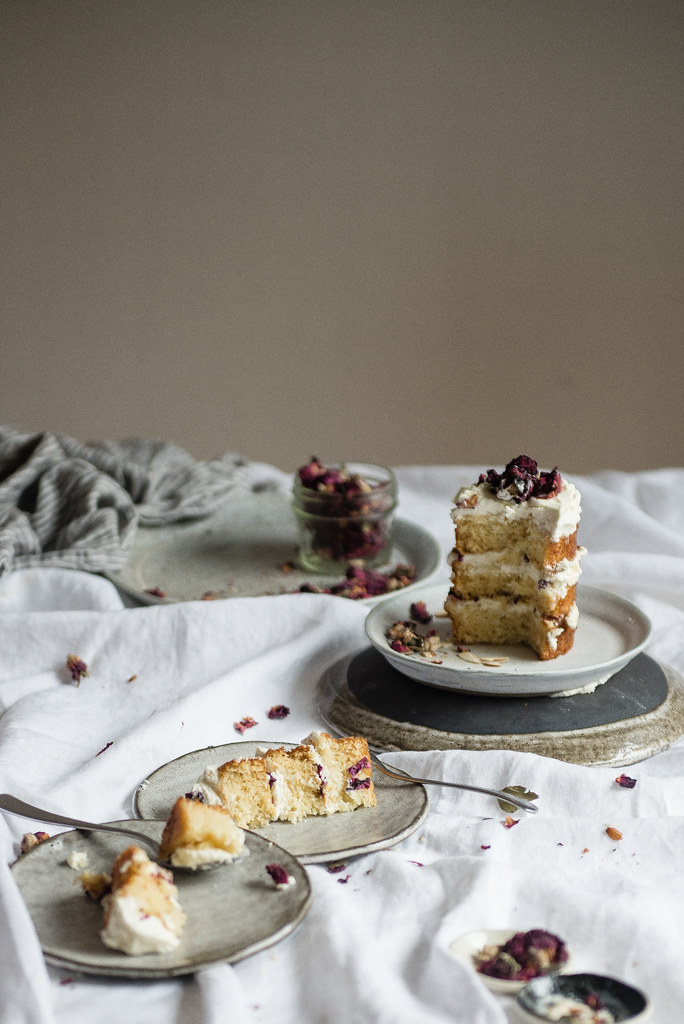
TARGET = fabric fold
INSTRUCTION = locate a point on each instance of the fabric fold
(74, 505)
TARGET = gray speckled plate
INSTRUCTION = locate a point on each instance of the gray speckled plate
(400, 809)
(611, 631)
(240, 551)
(232, 911)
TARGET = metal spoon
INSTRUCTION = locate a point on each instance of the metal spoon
(402, 776)
(16, 806)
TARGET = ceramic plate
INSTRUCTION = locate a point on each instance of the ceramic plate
(400, 809)
(610, 633)
(624, 1002)
(467, 946)
(241, 551)
(232, 911)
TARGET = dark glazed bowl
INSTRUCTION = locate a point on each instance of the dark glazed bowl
(622, 1000)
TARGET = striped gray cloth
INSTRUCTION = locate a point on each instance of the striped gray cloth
(74, 505)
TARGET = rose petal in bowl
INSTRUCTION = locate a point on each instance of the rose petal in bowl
(467, 946)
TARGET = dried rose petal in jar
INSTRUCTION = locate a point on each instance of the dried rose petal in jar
(344, 515)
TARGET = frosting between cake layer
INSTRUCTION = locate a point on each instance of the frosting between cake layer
(198, 856)
(207, 785)
(560, 575)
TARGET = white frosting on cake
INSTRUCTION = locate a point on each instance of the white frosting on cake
(278, 792)
(559, 516)
(133, 931)
(313, 738)
(207, 785)
(559, 577)
(572, 617)
(200, 856)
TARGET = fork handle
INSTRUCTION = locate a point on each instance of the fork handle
(509, 798)
(16, 806)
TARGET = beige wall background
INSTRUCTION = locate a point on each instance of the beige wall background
(409, 232)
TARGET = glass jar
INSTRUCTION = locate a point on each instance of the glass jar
(344, 515)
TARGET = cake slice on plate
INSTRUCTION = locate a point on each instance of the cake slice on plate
(516, 561)
(198, 834)
(243, 787)
(299, 782)
(142, 912)
(321, 776)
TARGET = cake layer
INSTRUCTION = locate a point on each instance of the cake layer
(198, 833)
(505, 517)
(477, 534)
(503, 620)
(142, 912)
(299, 783)
(491, 574)
(322, 775)
(243, 787)
(347, 768)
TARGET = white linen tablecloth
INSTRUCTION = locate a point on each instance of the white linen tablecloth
(375, 947)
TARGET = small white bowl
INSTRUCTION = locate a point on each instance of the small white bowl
(467, 946)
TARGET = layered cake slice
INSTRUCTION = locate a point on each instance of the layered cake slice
(197, 834)
(142, 912)
(347, 771)
(243, 787)
(298, 782)
(516, 562)
(322, 775)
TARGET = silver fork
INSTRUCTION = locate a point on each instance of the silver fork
(402, 776)
(16, 806)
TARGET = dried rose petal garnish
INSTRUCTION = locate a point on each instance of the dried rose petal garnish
(625, 781)
(524, 956)
(77, 667)
(510, 822)
(279, 711)
(404, 638)
(419, 612)
(522, 480)
(280, 876)
(155, 592)
(360, 766)
(245, 723)
(354, 781)
(359, 583)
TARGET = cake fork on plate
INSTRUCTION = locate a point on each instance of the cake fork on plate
(402, 776)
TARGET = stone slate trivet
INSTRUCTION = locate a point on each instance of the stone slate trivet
(635, 714)
(638, 688)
